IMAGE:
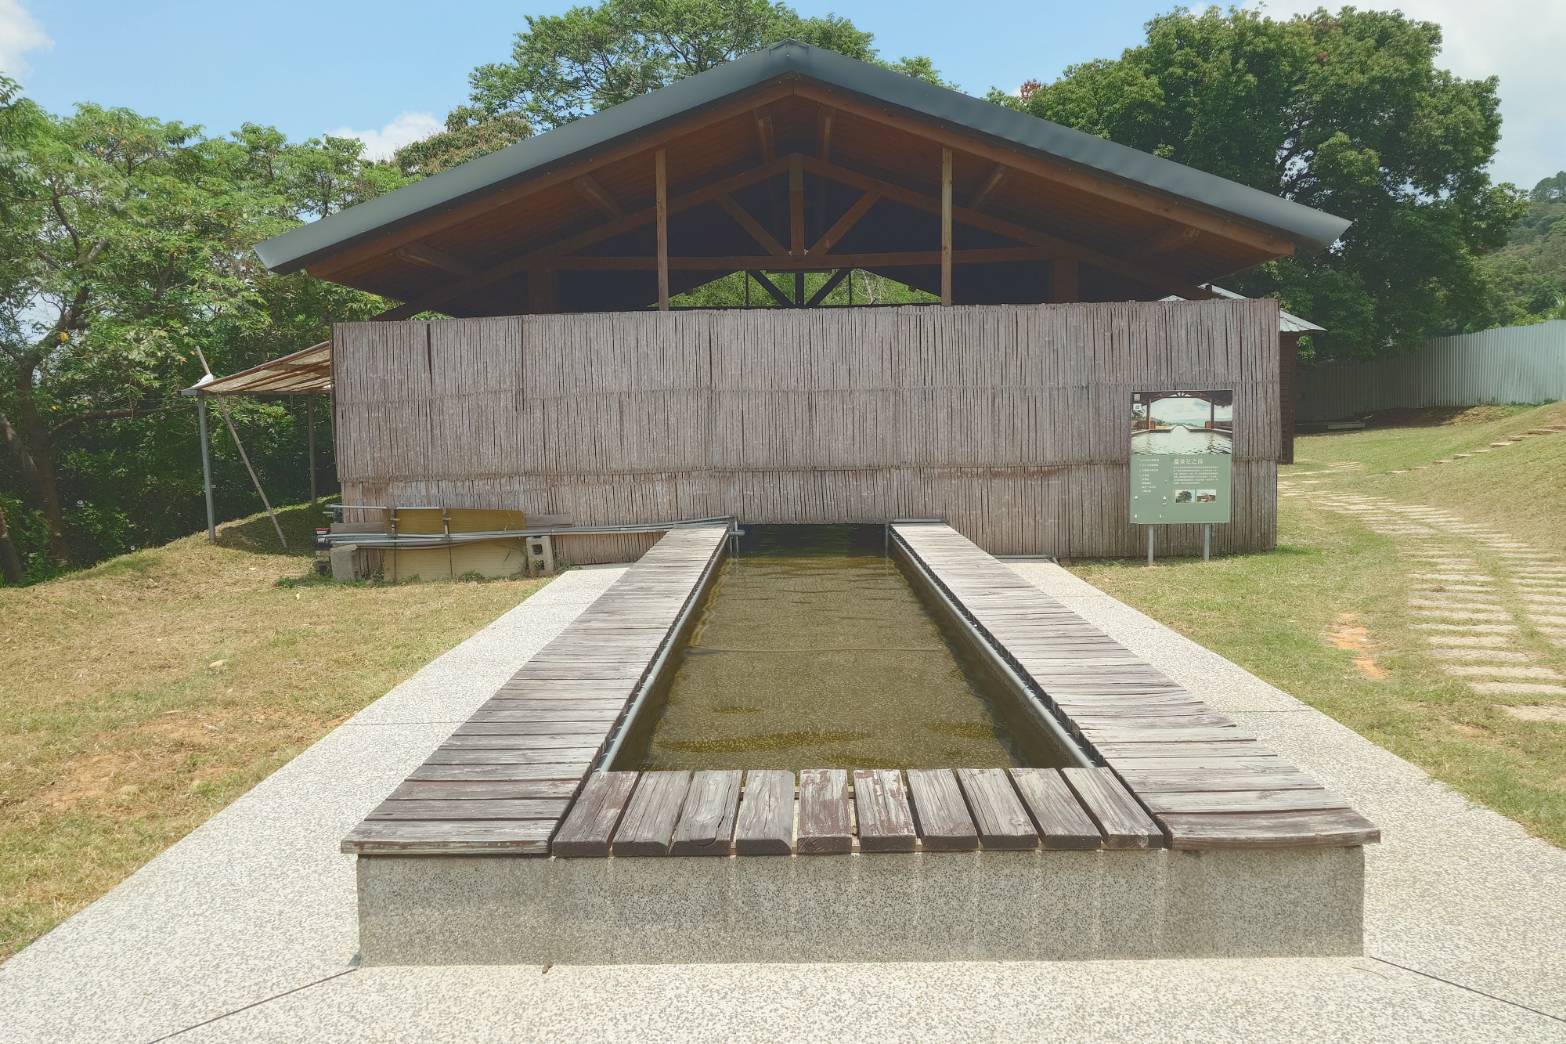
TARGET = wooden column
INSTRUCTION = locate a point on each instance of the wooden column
(661, 169)
(1063, 284)
(796, 207)
(946, 226)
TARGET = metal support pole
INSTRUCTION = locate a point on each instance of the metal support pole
(1207, 542)
(1150, 544)
(206, 467)
(310, 439)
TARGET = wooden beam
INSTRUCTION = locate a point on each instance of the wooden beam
(771, 288)
(589, 187)
(484, 203)
(834, 235)
(1054, 245)
(742, 217)
(661, 182)
(799, 289)
(997, 175)
(428, 256)
(824, 134)
(946, 226)
(1063, 282)
(1147, 200)
(542, 257)
(827, 287)
(796, 205)
(801, 263)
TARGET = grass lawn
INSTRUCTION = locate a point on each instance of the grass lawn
(139, 697)
(1325, 616)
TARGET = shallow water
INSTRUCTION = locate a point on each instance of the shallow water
(1182, 440)
(813, 650)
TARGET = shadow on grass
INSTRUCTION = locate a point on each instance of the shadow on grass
(256, 535)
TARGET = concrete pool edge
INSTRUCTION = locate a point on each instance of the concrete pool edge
(910, 907)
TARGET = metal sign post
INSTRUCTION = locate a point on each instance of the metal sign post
(1150, 530)
(1207, 541)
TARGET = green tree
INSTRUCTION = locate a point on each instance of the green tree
(567, 66)
(1527, 279)
(126, 246)
(1346, 112)
(470, 133)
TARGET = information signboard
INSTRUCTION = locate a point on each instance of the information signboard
(1182, 443)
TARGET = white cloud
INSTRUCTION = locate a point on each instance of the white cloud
(19, 33)
(1522, 42)
(380, 144)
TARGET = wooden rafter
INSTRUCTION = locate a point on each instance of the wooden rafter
(1055, 246)
(765, 137)
(1059, 171)
(589, 188)
(840, 228)
(542, 256)
(824, 133)
(743, 218)
(424, 254)
(991, 183)
(1169, 240)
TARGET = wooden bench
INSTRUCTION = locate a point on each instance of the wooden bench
(1205, 781)
(503, 781)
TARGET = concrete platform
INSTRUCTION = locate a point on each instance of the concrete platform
(245, 930)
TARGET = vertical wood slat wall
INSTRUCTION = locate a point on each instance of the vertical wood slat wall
(1012, 422)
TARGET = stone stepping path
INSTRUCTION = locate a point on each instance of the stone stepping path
(1482, 655)
(1479, 670)
(1467, 641)
(1556, 715)
(1517, 688)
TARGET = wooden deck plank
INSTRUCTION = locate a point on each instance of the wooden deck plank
(765, 825)
(1061, 821)
(881, 805)
(444, 755)
(484, 790)
(503, 773)
(405, 837)
(941, 814)
(1318, 799)
(706, 825)
(826, 824)
(647, 828)
(998, 813)
(1122, 821)
(456, 811)
(594, 815)
(1335, 827)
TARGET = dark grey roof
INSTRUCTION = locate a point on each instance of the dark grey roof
(1313, 229)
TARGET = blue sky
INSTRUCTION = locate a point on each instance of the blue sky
(387, 71)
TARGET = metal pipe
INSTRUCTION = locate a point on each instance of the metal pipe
(1031, 698)
(655, 669)
(206, 467)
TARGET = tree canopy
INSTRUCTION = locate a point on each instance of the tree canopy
(1347, 112)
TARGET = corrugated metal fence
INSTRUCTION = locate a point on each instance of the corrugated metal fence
(1511, 364)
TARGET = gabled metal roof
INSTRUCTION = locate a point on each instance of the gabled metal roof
(1309, 228)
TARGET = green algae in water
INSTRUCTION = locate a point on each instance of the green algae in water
(813, 650)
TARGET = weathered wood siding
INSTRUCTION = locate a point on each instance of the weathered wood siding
(1011, 422)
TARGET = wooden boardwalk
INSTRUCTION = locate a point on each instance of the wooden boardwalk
(1207, 782)
(837, 812)
(503, 781)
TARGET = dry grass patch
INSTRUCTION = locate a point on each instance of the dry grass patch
(139, 697)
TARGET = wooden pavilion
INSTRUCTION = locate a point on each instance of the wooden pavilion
(560, 388)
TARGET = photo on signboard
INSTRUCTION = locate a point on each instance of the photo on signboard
(1182, 422)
